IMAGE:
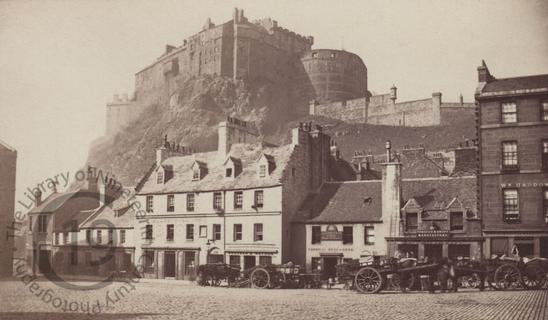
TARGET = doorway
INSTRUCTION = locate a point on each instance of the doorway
(433, 251)
(249, 261)
(126, 262)
(169, 264)
(44, 264)
(329, 267)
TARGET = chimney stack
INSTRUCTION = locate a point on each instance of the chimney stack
(461, 99)
(38, 196)
(393, 94)
(483, 73)
(391, 195)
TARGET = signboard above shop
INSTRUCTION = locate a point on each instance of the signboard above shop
(331, 234)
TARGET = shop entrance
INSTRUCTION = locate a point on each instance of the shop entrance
(249, 261)
(329, 264)
(433, 250)
(169, 264)
(44, 264)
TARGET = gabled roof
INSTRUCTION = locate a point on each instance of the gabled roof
(215, 179)
(440, 193)
(53, 202)
(343, 202)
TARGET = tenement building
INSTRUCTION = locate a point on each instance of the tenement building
(8, 160)
(513, 140)
(421, 216)
(233, 205)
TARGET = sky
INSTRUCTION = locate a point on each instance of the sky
(61, 61)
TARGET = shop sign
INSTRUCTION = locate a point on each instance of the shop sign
(524, 185)
(331, 234)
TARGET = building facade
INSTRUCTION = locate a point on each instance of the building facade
(8, 162)
(513, 139)
(233, 205)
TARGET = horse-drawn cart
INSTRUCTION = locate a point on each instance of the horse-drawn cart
(283, 276)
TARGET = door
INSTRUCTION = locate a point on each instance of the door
(44, 264)
(433, 250)
(126, 262)
(169, 264)
(329, 270)
(249, 261)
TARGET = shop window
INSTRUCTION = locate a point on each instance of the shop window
(170, 203)
(235, 261)
(149, 261)
(348, 235)
(190, 232)
(237, 232)
(265, 260)
(258, 232)
(458, 250)
(456, 221)
(316, 264)
(509, 112)
(170, 232)
(509, 155)
(510, 204)
(238, 199)
(369, 235)
(499, 246)
(411, 222)
(316, 234)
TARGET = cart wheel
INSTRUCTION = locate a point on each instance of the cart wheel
(260, 278)
(533, 276)
(368, 280)
(507, 277)
(396, 283)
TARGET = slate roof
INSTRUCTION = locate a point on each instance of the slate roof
(53, 202)
(215, 179)
(437, 194)
(343, 202)
(517, 83)
(118, 213)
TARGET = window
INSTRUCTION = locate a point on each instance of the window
(99, 237)
(217, 200)
(65, 238)
(369, 235)
(347, 235)
(545, 155)
(88, 236)
(258, 232)
(238, 199)
(190, 202)
(203, 232)
(456, 221)
(228, 172)
(170, 232)
(235, 261)
(259, 198)
(149, 261)
(216, 232)
(42, 223)
(545, 204)
(544, 111)
(110, 236)
(508, 112)
(316, 234)
(159, 177)
(237, 232)
(57, 238)
(510, 204)
(149, 204)
(262, 170)
(190, 232)
(196, 174)
(170, 203)
(509, 155)
(265, 260)
(122, 236)
(411, 221)
(148, 232)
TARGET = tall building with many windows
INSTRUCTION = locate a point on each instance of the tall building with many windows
(8, 160)
(233, 205)
(513, 153)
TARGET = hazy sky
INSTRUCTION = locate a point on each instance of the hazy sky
(60, 61)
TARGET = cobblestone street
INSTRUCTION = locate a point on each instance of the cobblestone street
(178, 300)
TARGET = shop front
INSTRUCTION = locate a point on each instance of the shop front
(170, 263)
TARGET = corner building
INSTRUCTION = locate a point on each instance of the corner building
(233, 205)
(513, 142)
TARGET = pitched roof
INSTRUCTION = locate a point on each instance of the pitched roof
(509, 85)
(215, 177)
(439, 193)
(53, 202)
(7, 146)
(343, 202)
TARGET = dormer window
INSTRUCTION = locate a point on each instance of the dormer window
(233, 167)
(199, 170)
(262, 170)
(160, 177)
(228, 172)
(265, 165)
(196, 174)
